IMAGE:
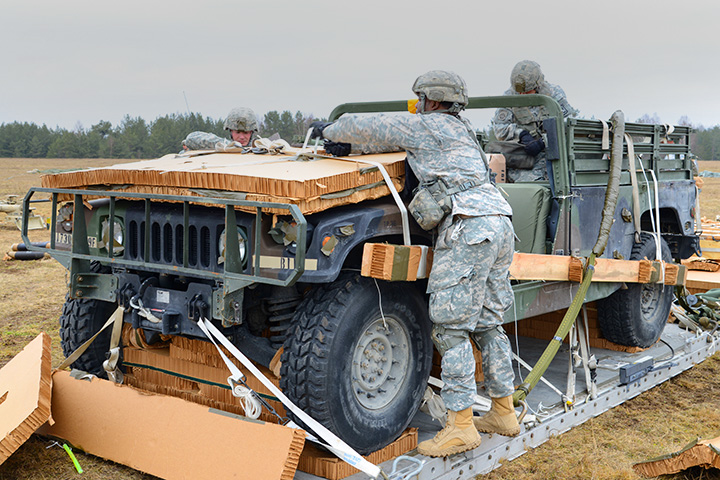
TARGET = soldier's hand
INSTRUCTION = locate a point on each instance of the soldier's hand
(535, 147)
(337, 149)
(532, 145)
(526, 137)
(318, 128)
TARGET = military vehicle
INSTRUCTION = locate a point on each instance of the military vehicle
(356, 352)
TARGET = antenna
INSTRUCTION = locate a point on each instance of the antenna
(186, 103)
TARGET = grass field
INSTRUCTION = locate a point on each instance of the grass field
(660, 421)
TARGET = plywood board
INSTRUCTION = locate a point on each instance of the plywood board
(166, 436)
(24, 395)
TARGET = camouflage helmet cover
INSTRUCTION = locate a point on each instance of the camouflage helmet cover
(442, 86)
(526, 76)
(241, 119)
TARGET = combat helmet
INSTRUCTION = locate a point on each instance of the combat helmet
(241, 119)
(441, 86)
(526, 76)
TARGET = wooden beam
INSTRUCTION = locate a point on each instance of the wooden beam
(530, 266)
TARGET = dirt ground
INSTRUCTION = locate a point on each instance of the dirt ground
(660, 421)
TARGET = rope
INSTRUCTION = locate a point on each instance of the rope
(137, 304)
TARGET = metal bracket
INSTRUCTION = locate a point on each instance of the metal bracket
(100, 286)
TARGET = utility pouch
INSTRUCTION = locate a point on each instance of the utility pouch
(514, 152)
(430, 204)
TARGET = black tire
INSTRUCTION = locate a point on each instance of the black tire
(81, 319)
(636, 316)
(342, 367)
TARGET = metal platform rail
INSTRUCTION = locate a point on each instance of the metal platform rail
(552, 418)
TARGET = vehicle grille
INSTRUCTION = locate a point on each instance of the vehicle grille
(167, 236)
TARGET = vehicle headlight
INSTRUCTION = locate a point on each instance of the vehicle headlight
(65, 214)
(118, 236)
(242, 246)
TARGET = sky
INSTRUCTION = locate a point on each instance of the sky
(74, 63)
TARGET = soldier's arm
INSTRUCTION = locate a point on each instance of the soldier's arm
(559, 95)
(504, 125)
(373, 132)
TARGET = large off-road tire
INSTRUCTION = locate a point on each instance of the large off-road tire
(81, 319)
(636, 316)
(343, 367)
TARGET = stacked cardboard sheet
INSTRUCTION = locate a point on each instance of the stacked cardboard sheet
(312, 182)
(194, 370)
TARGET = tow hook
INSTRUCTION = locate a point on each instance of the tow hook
(197, 308)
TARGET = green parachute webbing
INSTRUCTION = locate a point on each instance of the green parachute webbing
(611, 196)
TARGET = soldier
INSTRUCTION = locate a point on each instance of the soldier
(469, 284)
(523, 124)
(243, 127)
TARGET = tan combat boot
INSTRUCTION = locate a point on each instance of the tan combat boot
(500, 419)
(459, 435)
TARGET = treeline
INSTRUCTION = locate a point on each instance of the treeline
(706, 143)
(133, 137)
(136, 138)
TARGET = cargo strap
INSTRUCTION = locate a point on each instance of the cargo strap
(116, 320)
(635, 190)
(251, 403)
(332, 442)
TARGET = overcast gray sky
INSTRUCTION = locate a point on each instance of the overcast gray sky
(65, 62)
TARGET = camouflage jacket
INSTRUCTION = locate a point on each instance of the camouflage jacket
(210, 141)
(509, 122)
(438, 146)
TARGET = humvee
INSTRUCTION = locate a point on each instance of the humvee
(356, 352)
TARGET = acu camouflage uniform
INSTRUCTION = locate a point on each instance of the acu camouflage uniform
(210, 141)
(509, 122)
(469, 284)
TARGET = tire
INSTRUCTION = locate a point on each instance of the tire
(81, 318)
(636, 316)
(347, 371)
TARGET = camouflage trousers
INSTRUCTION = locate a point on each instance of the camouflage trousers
(536, 174)
(469, 291)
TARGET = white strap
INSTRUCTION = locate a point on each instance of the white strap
(251, 404)
(335, 444)
(635, 190)
(605, 135)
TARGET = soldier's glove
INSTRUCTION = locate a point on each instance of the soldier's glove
(532, 145)
(337, 149)
(318, 128)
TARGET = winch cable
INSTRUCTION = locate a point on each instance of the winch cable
(331, 441)
(608, 212)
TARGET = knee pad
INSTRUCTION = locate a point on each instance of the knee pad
(482, 338)
(446, 338)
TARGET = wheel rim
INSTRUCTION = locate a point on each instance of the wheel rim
(380, 362)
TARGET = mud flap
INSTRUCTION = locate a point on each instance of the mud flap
(166, 436)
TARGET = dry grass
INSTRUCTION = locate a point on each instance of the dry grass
(660, 421)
